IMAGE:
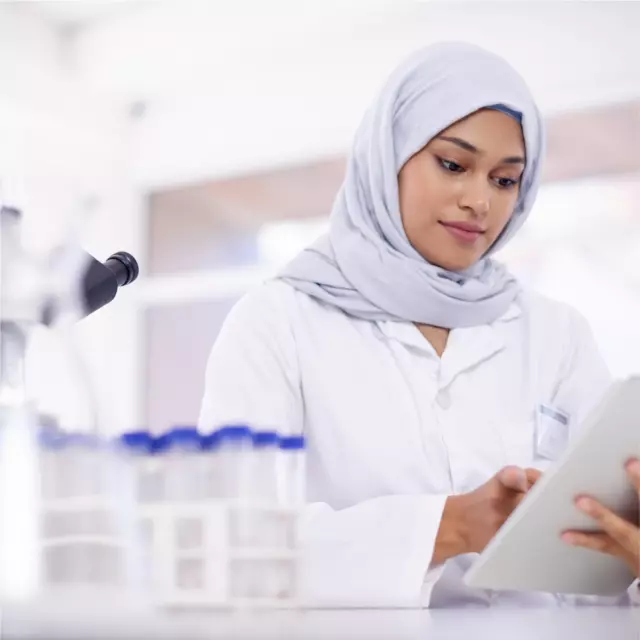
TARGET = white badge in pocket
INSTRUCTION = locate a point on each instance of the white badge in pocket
(552, 431)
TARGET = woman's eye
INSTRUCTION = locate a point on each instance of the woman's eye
(454, 167)
(506, 183)
(449, 165)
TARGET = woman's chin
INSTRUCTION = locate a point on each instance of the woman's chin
(455, 261)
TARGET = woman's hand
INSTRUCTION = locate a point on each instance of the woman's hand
(618, 538)
(470, 520)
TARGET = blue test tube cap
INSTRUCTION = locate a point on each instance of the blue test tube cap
(235, 432)
(210, 441)
(184, 436)
(292, 443)
(85, 440)
(137, 440)
(265, 439)
(160, 444)
(52, 440)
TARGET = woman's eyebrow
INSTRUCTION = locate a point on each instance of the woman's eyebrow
(467, 146)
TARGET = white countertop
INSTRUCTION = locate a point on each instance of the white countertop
(601, 623)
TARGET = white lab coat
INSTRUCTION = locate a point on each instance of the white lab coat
(393, 429)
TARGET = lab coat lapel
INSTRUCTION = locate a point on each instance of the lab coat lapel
(470, 346)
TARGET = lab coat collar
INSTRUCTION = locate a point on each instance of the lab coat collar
(406, 333)
(466, 347)
(514, 311)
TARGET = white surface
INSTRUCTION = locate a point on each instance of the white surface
(527, 553)
(72, 14)
(506, 624)
(393, 429)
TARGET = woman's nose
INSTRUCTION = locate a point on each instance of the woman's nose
(476, 197)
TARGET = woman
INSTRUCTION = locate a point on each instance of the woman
(431, 387)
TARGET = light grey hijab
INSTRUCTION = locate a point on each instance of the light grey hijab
(366, 266)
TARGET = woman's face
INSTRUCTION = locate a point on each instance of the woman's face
(458, 193)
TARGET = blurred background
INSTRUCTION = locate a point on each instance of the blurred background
(209, 140)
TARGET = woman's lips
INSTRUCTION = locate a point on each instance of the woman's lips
(466, 233)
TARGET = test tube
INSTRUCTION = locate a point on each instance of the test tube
(138, 446)
(235, 449)
(263, 482)
(181, 464)
(213, 488)
(292, 470)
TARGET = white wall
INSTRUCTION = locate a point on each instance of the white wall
(63, 153)
(579, 246)
(227, 89)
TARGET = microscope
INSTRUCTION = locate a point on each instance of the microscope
(33, 293)
(25, 300)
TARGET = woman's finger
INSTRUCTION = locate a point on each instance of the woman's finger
(633, 470)
(595, 541)
(623, 532)
(533, 475)
(513, 478)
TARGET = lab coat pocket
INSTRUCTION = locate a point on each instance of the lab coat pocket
(538, 441)
(551, 432)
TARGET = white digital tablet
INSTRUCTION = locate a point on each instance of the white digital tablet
(527, 552)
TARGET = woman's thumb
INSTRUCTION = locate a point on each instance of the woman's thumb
(514, 478)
